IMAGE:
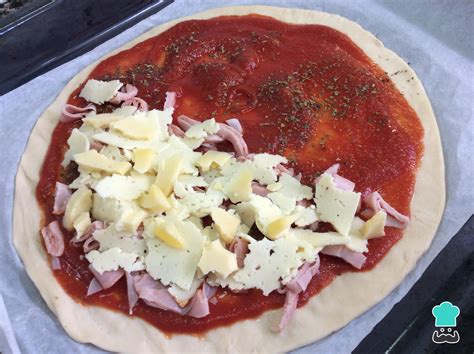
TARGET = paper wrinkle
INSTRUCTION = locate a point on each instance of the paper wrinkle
(444, 72)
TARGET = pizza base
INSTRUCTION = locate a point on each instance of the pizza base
(330, 310)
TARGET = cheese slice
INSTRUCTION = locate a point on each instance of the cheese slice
(212, 158)
(143, 159)
(225, 223)
(375, 226)
(123, 187)
(137, 127)
(172, 265)
(113, 259)
(82, 223)
(307, 215)
(280, 226)
(334, 205)
(290, 187)
(169, 234)
(215, 258)
(92, 160)
(110, 209)
(79, 203)
(78, 142)
(168, 173)
(203, 129)
(239, 187)
(99, 92)
(103, 120)
(112, 237)
(130, 219)
(154, 200)
(320, 239)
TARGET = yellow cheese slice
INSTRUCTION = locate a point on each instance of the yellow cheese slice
(168, 173)
(375, 226)
(169, 234)
(91, 160)
(278, 227)
(80, 202)
(136, 127)
(225, 223)
(212, 158)
(143, 159)
(239, 187)
(154, 200)
(215, 258)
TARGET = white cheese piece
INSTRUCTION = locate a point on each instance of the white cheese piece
(183, 296)
(111, 237)
(213, 158)
(80, 202)
(172, 265)
(137, 127)
(143, 159)
(99, 92)
(123, 187)
(263, 167)
(85, 179)
(78, 142)
(125, 111)
(176, 146)
(91, 160)
(277, 228)
(270, 261)
(201, 204)
(292, 188)
(168, 172)
(246, 212)
(114, 153)
(82, 223)
(102, 120)
(286, 204)
(118, 140)
(239, 187)
(113, 259)
(192, 143)
(307, 215)
(154, 200)
(210, 233)
(215, 258)
(203, 129)
(186, 183)
(162, 119)
(265, 212)
(320, 239)
(226, 223)
(110, 209)
(167, 232)
(130, 219)
(334, 205)
(375, 226)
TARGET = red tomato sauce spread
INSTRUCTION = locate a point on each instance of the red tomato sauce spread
(304, 91)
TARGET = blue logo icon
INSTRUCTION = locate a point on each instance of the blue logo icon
(445, 315)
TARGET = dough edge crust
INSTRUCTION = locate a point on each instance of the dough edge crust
(325, 313)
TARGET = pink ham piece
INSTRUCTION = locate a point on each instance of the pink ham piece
(136, 102)
(170, 100)
(175, 130)
(90, 244)
(339, 181)
(131, 292)
(199, 305)
(280, 169)
(186, 122)
(258, 189)
(375, 203)
(53, 239)
(107, 279)
(355, 259)
(71, 113)
(96, 145)
(55, 263)
(61, 197)
(155, 294)
(213, 139)
(235, 138)
(240, 247)
(94, 287)
(96, 225)
(127, 92)
(296, 286)
(235, 123)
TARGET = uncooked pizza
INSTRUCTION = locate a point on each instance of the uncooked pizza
(269, 170)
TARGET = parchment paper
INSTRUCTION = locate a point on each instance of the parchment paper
(435, 37)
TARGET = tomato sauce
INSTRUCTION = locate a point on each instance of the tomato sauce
(304, 91)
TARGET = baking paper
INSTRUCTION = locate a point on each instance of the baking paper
(434, 37)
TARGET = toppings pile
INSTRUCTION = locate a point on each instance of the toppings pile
(158, 203)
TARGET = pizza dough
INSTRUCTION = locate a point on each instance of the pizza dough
(330, 310)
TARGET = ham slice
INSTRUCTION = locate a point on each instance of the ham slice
(107, 279)
(94, 287)
(125, 93)
(61, 197)
(155, 294)
(53, 239)
(258, 189)
(55, 263)
(96, 225)
(296, 286)
(71, 113)
(90, 244)
(199, 305)
(213, 139)
(339, 181)
(240, 247)
(235, 123)
(355, 259)
(186, 122)
(131, 292)
(280, 169)
(136, 102)
(235, 138)
(170, 100)
(175, 130)
(375, 203)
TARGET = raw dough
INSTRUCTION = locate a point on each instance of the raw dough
(332, 309)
